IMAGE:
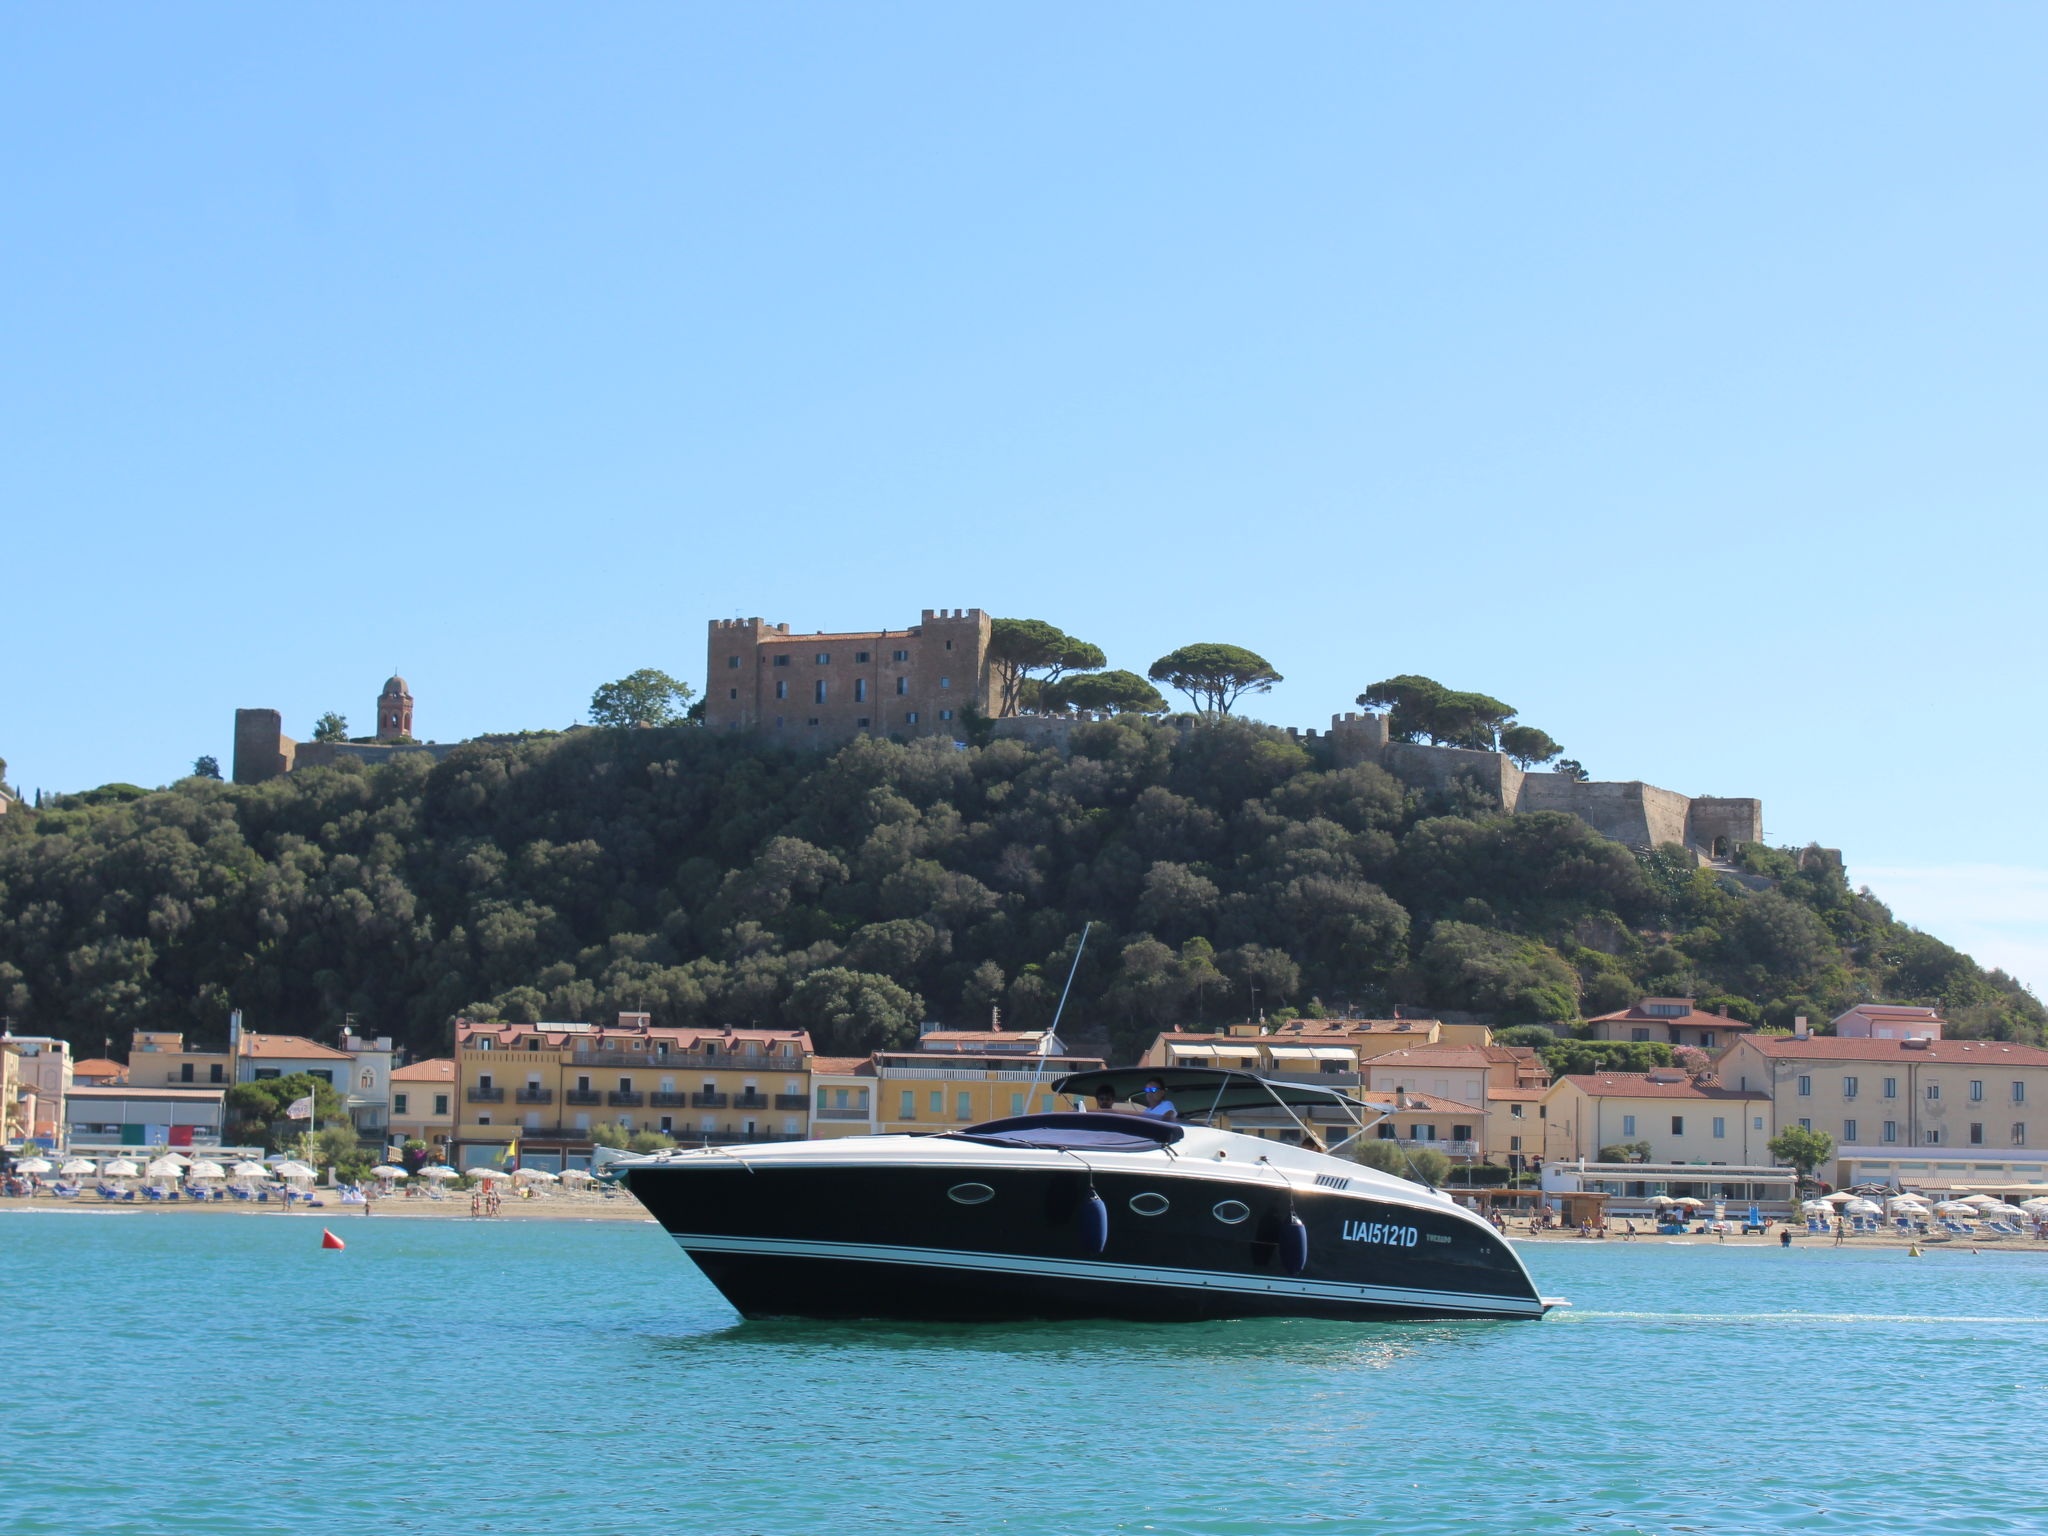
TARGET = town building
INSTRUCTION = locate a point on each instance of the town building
(1668, 1021)
(1514, 1125)
(547, 1086)
(939, 1090)
(1889, 1021)
(1896, 1097)
(821, 689)
(422, 1104)
(42, 1079)
(160, 1058)
(131, 1116)
(14, 1117)
(842, 1096)
(1449, 1126)
(98, 1072)
(1683, 1119)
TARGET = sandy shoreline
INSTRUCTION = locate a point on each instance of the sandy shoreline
(624, 1208)
(1804, 1239)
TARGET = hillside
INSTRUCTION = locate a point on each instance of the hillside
(714, 879)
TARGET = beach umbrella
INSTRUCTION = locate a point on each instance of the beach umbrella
(386, 1171)
(165, 1168)
(120, 1168)
(1688, 1200)
(1860, 1207)
(2038, 1204)
(1954, 1208)
(76, 1166)
(1840, 1195)
(176, 1157)
(488, 1173)
(205, 1170)
(291, 1170)
(1816, 1208)
(2002, 1210)
(248, 1170)
(1662, 1200)
(534, 1176)
(438, 1171)
(33, 1165)
(1980, 1200)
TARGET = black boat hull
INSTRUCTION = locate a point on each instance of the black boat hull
(898, 1241)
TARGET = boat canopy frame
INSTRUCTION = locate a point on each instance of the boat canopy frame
(1201, 1093)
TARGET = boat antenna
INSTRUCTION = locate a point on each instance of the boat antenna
(1053, 1029)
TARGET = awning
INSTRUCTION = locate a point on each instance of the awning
(1193, 1050)
(1251, 1051)
(1333, 1053)
(1292, 1052)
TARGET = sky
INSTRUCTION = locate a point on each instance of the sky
(1674, 374)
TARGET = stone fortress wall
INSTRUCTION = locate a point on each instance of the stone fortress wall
(263, 751)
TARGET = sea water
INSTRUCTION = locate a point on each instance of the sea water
(222, 1374)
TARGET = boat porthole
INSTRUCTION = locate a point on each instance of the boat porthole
(970, 1194)
(1232, 1211)
(1149, 1204)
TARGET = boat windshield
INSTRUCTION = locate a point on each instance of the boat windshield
(1078, 1132)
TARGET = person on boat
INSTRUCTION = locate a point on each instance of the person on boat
(1157, 1103)
(1106, 1104)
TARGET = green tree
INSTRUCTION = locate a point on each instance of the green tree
(1626, 1152)
(255, 1112)
(206, 768)
(646, 697)
(1419, 1165)
(1103, 693)
(1215, 676)
(1572, 768)
(331, 727)
(1797, 1147)
(1423, 707)
(1571, 1058)
(1527, 745)
(1020, 650)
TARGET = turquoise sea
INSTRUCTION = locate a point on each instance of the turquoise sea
(221, 1374)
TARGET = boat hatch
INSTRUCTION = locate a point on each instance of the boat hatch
(1076, 1132)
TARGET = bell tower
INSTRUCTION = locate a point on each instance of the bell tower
(394, 710)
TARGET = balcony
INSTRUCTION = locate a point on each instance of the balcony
(792, 1101)
(750, 1101)
(1448, 1148)
(582, 1096)
(621, 1098)
(669, 1100)
(535, 1096)
(486, 1095)
(708, 1100)
(840, 1114)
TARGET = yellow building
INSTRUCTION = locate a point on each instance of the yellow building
(13, 1119)
(1683, 1120)
(842, 1096)
(423, 1102)
(160, 1059)
(549, 1085)
(937, 1091)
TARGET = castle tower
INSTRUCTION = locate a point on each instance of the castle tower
(394, 710)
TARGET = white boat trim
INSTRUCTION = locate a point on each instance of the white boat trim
(1124, 1274)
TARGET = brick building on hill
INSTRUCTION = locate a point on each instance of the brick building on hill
(823, 689)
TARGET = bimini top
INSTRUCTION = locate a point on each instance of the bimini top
(1084, 1130)
(1198, 1092)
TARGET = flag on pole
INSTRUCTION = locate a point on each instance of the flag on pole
(511, 1152)
(300, 1109)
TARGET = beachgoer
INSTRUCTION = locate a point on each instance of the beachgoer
(1157, 1103)
(1785, 1238)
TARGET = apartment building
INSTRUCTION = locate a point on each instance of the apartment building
(422, 1104)
(547, 1085)
(1669, 1021)
(1449, 1126)
(843, 1098)
(940, 1090)
(42, 1081)
(1900, 1096)
(1684, 1119)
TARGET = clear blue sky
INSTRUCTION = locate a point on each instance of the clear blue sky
(1676, 374)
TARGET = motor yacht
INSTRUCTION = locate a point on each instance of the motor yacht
(1086, 1214)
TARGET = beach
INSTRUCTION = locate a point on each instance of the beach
(510, 1208)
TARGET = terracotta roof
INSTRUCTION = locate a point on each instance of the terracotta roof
(1692, 1016)
(290, 1047)
(1839, 1048)
(1515, 1093)
(1356, 1026)
(1430, 1104)
(1641, 1085)
(982, 1034)
(844, 1066)
(609, 1037)
(1445, 1056)
(441, 1069)
(98, 1066)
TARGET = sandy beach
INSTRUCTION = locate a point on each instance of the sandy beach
(540, 1208)
(1804, 1239)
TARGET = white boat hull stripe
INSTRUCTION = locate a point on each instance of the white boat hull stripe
(1125, 1274)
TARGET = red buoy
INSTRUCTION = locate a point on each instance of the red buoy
(329, 1240)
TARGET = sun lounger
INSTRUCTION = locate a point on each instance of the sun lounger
(2003, 1228)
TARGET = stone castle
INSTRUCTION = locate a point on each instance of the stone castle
(823, 689)
(263, 751)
